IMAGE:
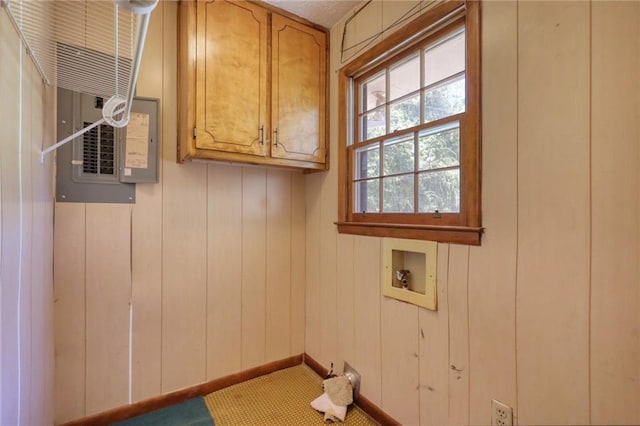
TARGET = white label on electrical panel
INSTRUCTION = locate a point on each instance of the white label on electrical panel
(137, 151)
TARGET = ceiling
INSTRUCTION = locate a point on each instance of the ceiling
(323, 12)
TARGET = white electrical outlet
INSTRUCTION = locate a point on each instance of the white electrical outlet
(501, 414)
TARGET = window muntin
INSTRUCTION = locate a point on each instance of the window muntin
(421, 167)
(419, 171)
(446, 188)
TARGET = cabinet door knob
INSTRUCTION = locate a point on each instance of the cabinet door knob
(275, 132)
(262, 134)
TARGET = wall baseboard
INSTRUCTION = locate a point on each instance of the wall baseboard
(142, 407)
(375, 412)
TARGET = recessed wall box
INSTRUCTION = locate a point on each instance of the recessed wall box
(409, 271)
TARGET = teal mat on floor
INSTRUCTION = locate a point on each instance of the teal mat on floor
(192, 412)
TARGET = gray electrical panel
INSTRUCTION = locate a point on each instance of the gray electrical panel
(104, 164)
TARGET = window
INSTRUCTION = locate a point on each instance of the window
(410, 131)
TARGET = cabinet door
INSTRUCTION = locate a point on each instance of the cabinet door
(231, 77)
(299, 58)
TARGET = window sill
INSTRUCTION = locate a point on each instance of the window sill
(443, 234)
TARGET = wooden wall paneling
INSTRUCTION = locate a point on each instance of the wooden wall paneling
(278, 264)
(615, 301)
(69, 311)
(150, 81)
(49, 218)
(434, 350)
(184, 241)
(313, 317)
(367, 312)
(492, 274)
(9, 275)
(458, 311)
(368, 23)
(345, 300)
(400, 360)
(146, 235)
(553, 213)
(42, 361)
(349, 41)
(298, 263)
(328, 232)
(253, 272)
(184, 273)
(2, 73)
(26, 227)
(328, 268)
(398, 13)
(224, 263)
(107, 301)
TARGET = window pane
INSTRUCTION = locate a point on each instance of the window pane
(405, 114)
(398, 194)
(368, 162)
(439, 191)
(368, 196)
(373, 124)
(373, 93)
(439, 147)
(444, 59)
(404, 78)
(398, 156)
(444, 100)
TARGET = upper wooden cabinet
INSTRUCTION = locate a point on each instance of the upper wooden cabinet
(251, 87)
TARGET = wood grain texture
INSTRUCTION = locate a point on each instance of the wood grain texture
(328, 273)
(176, 397)
(2, 72)
(107, 298)
(26, 299)
(313, 318)
(492, 272)
(25, 284)
(367, 24)
(400, 360)
(253, 271)
(553, 213)
(367, 312)
(224, 287)
(615, 249)
(298, 90)
(186, 71)
(397, 13)
(231, 77)
(11, 228)
(298, 263)
(345, 254)
(278, 260)
(69, 311)
(146, 233)
(434, 359)
(457, 309)
(184, 245)
(42, 363)
(184, 283)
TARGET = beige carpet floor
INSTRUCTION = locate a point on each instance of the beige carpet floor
(280, 398)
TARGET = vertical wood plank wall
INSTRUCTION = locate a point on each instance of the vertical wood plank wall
(232, 267)
(211, 259)
(26, 237)
(544, 316)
